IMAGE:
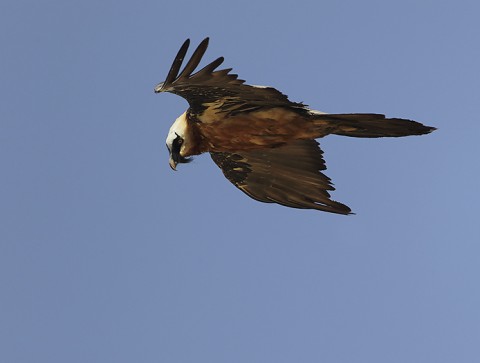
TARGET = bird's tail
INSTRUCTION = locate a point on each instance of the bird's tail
(369, 125)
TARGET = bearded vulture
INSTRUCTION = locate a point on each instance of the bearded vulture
(263, 142)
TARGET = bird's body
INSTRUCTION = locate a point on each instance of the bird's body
(264, 143)
(258, 129)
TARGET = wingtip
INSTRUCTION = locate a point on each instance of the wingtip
(204, 43)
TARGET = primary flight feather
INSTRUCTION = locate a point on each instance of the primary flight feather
(263, 142)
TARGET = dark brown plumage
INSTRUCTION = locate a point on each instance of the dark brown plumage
(263, 142)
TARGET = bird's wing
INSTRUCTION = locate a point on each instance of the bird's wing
(288, 175)
(217, 88)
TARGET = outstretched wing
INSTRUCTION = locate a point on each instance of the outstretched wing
(288, 175)
(208, 85)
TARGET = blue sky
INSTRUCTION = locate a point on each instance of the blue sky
(106, 255)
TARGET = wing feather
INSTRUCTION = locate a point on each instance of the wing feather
(289, 175)
(195, 59)
(209, 85)
(177, 62)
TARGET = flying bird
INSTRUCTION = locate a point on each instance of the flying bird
(263, 142)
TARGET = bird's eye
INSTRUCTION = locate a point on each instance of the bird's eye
(180, 141)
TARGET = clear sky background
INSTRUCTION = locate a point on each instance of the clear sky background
(106, 255)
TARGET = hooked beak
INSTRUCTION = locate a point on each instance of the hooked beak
(173, 160)
(176, 158)
(172, 163)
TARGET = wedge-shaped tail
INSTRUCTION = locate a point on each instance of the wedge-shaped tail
(370, 125)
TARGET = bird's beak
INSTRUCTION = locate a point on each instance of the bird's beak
(173, 163)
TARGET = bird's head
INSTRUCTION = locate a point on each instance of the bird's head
(179, 141)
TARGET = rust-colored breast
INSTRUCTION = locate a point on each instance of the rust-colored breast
(254, 130)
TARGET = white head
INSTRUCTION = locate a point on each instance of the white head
(178, 141)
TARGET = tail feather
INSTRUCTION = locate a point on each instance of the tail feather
(371, 125)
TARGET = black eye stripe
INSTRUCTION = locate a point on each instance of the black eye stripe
(175, 151)
(176, 144)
